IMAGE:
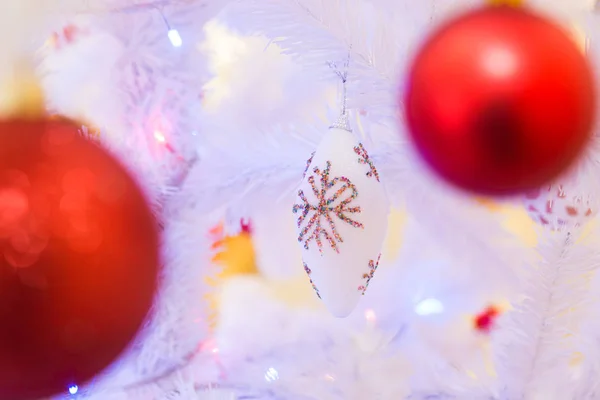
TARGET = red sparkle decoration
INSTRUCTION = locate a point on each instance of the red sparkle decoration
(246, 226)
(66, 36)
(484, 322)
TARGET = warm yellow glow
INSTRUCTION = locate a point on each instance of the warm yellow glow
(224, 49)
(487, 355)
(296, 293)
(471, 374)
(22, 95)
(52, 41)
(521, 225)
(490, 204)
(393, 241)
(580, 37)
(251, 69)
(576, 359)
(235, 256)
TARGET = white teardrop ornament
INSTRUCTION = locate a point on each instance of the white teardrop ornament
(341, 211)
(555, 207)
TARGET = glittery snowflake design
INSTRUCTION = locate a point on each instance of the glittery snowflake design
(326, 209)
(308, 162)
(365, 159)
(372, 268)
(308, 272)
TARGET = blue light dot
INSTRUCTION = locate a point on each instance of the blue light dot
(429, 307)
(73, 389)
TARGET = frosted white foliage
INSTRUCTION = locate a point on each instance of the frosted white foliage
(316, 32)
(283, 263)
(221, 128)
(252, 81)
(304, 353)
(142, 91)
(539, 339)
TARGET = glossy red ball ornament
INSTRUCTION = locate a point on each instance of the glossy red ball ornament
(79, 258)
(500, 101)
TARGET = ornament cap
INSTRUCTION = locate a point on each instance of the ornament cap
(510, 3)
(343, 122)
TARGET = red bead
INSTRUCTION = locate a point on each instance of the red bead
(78, 258)
(500, 101)
(246, 226)
(485, 321)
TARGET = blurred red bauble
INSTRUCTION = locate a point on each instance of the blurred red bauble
(79, 262)
(500, 101)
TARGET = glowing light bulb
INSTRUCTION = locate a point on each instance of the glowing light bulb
(429, 307)
(271, 375)
(370, 315)
(73, 389)
(175, 38)
(159, 137)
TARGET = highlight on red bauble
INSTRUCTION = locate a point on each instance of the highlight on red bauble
(79, 258)
(500, 101)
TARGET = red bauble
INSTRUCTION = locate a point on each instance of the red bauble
(79, 258)
(500, 101)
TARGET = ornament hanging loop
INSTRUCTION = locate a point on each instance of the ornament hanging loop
(343, 121)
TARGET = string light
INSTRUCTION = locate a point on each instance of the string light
(173, 34)
(158, 135)
(175, 38)
(73, 389)
(271, 375)
(429, 306)
(370, 316)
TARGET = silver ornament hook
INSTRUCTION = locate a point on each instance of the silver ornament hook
(343, 121)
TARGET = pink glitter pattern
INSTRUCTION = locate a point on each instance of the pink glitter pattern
(556, 199)
(313, 229)
(372, 268)
(366, 160)
(308, 272)
(308, 162)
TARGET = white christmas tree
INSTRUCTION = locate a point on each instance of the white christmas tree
(216, 106)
